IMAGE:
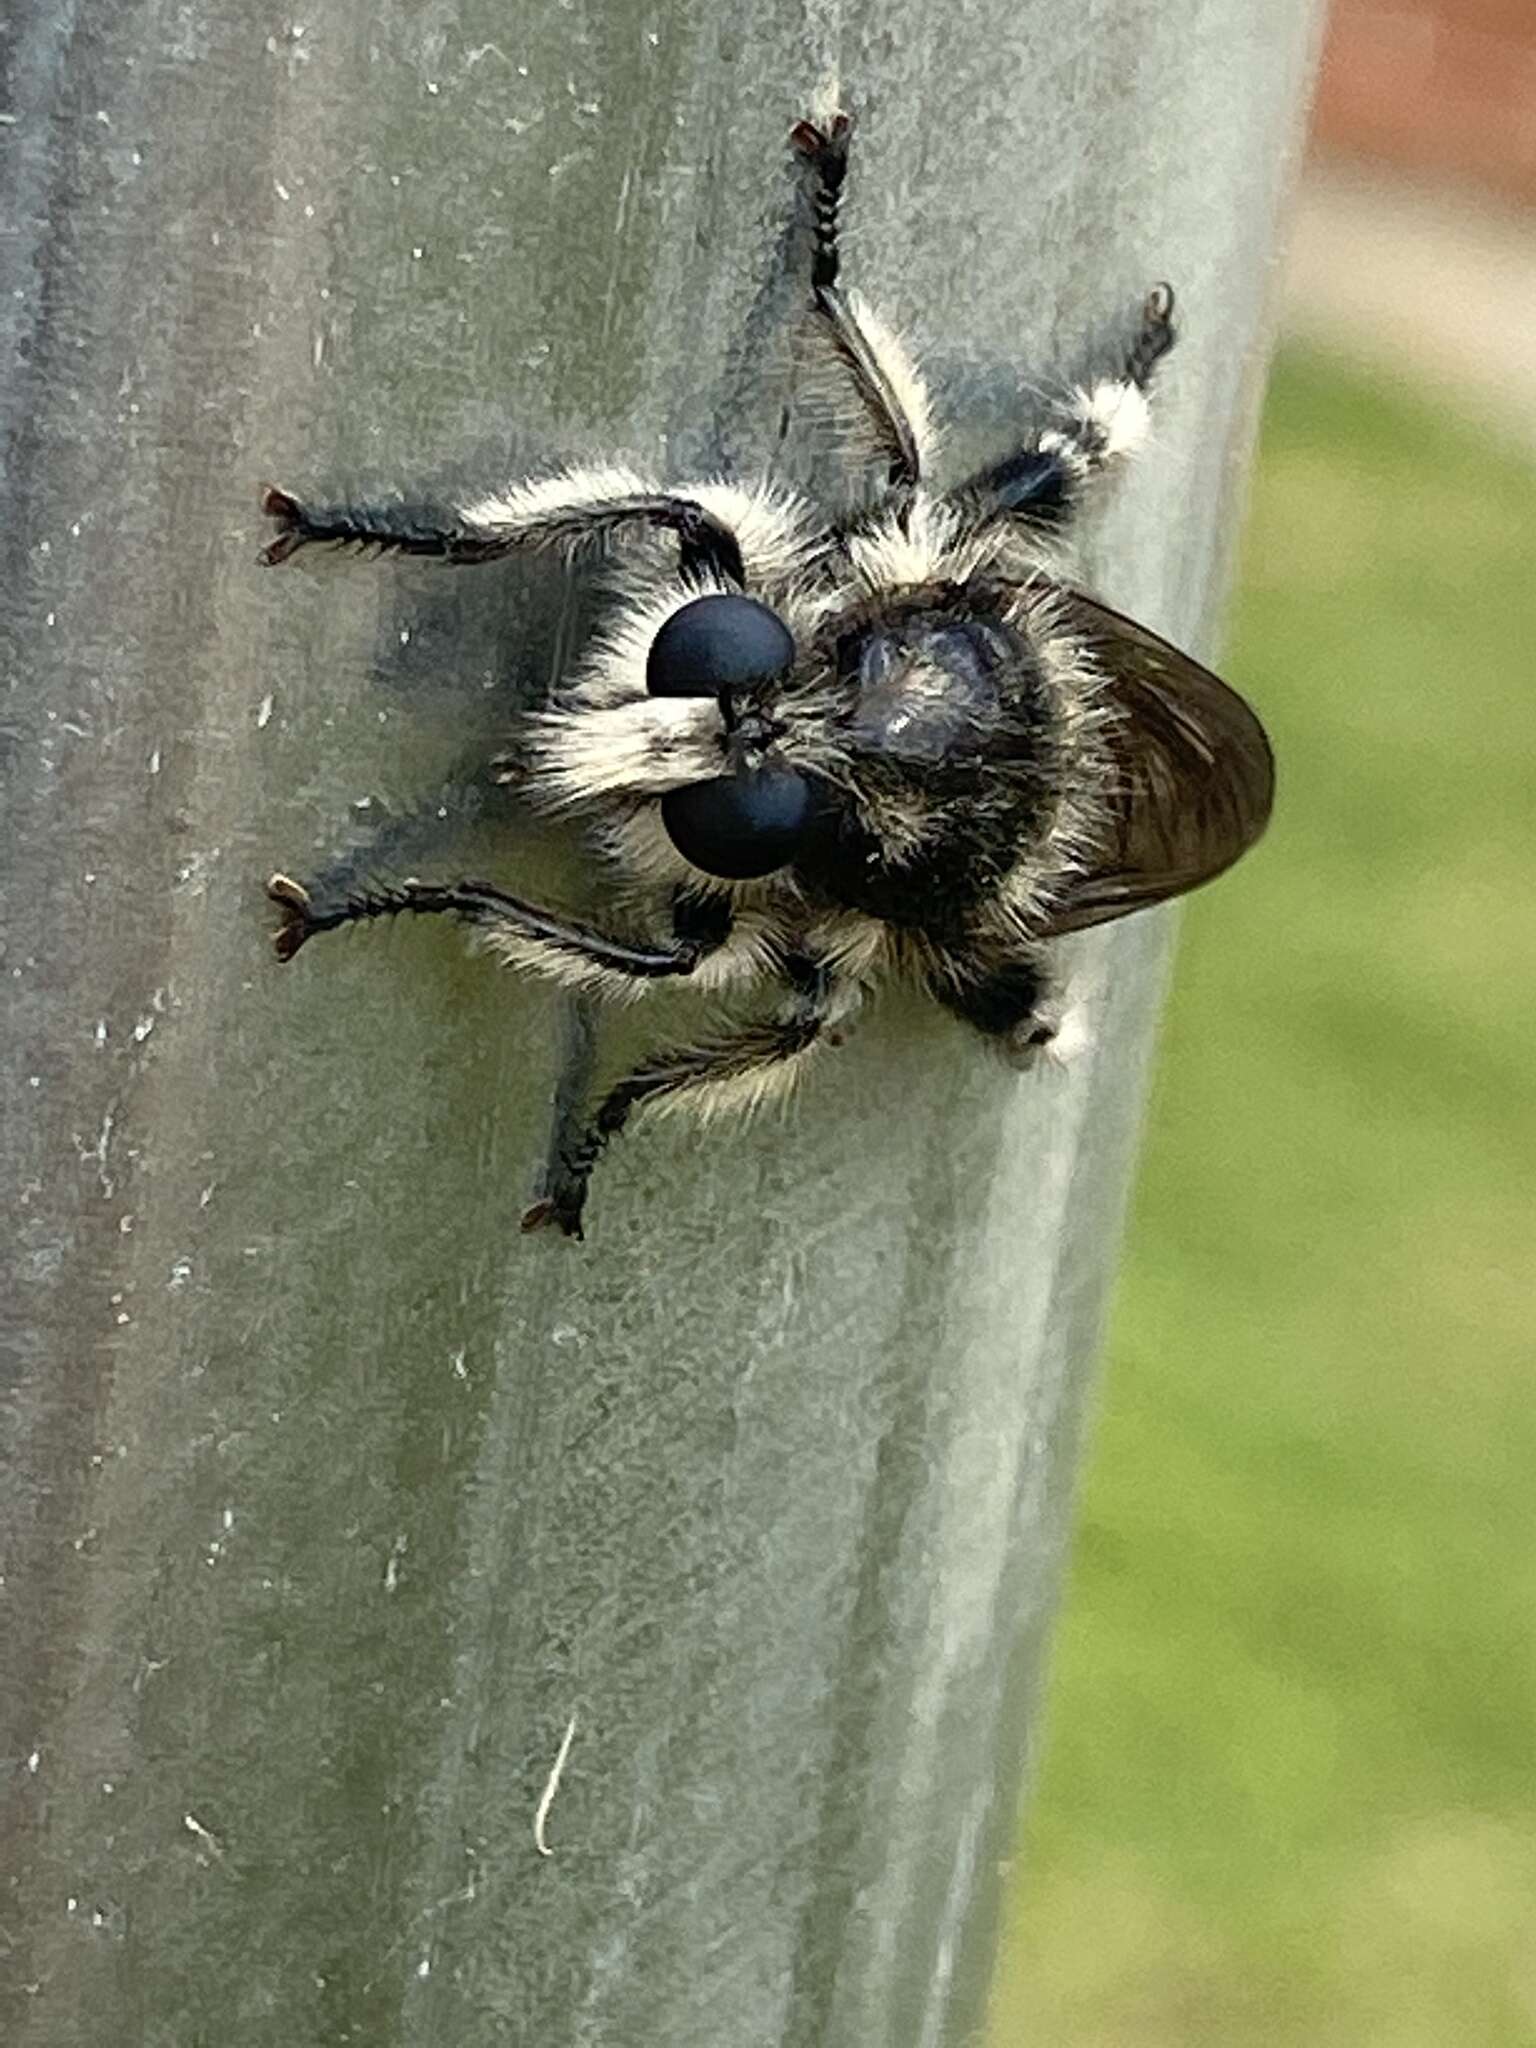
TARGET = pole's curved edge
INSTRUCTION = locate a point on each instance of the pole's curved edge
(357, 1551)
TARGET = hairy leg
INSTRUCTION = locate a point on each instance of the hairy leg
(738, 1070)
(1039, 484)
(1007, 1000)
(703, 923)
(889, 389)
(535, 940)
(574, 508)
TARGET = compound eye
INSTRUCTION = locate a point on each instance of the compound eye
(740, 826)
(714, 645)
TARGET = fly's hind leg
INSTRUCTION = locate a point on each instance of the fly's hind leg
(1099, 424)
(1010, 1001)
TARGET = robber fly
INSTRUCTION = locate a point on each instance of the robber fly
(812, 755)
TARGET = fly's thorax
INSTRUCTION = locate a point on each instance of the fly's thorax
(946, 740)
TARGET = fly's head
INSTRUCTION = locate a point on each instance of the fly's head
(751, 819)
(891, 738)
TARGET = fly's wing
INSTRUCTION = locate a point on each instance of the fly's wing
(1193, 774)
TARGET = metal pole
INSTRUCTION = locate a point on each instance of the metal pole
(334, 1513)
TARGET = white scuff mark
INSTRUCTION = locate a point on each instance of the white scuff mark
(146, 1671)
(482, 51)
(216, 1546)
(205, 1836)
(1074, 1036)
(99, 1152)
(424, 1967)
(294, 55)
(193, 870)
(154, 761)
(264, 712)
(146, 1023)
(397, 1551)
(551, 1788)
(34, 1760)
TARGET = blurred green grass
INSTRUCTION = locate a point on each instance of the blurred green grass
(1288, 1794)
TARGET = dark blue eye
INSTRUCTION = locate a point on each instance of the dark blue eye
(739, 826)
(715, 645)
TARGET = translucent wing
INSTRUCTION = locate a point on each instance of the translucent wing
(1194, 776)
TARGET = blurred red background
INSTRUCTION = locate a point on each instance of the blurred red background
(1439, 86)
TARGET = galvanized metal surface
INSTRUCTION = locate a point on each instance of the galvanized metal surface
(331, 1504)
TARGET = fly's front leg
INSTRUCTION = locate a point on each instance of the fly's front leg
(395, 526)
(524, 935)
(575, 508)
